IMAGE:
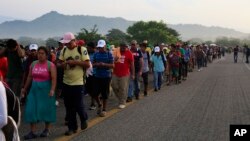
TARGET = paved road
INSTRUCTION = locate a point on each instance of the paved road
(200, 109)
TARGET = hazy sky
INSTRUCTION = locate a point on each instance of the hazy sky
(226, 13)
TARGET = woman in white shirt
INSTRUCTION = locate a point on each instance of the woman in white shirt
(3, 110)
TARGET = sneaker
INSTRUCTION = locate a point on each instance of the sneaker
(92, 107)
(103, 114)
(84, 125)
(137, 97)
(29, 136)
(145, 93)
(199, 69)
(99, 110)
(45, 133)
(129, 99)
(66, 123)
(122, 106)
(57, 103)
(70, 132)
(155, 89)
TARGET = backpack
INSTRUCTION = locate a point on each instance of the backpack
(79, 50)
(163, 59)
(174, 60)
(11, 130)
(13, 105)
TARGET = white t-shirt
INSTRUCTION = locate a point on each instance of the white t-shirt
(3, 110)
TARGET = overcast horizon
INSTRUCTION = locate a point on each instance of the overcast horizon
(224, 13)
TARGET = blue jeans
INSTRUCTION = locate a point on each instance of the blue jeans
(131, 88)
(235, 58)
(157, 79)
(199, 63)
(134, 87)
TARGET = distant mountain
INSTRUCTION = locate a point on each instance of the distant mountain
(55, 24)
(189, 31)
(4, 19)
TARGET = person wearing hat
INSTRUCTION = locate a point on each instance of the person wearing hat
(134, 88)
(103, 62)
(32, 57)
(158, 67)
(124, 68)
(75, 61)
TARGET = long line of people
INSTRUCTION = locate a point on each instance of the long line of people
(93, 69)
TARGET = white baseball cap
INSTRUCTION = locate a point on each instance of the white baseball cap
(101, 43)
(157, 49)
(67, 37)
(33, 47)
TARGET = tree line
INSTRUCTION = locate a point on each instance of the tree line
(153, 31)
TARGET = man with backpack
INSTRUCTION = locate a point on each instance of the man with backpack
(31, 57)
(74, 60)
(158, 67)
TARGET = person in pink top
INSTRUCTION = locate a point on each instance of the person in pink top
(40, 104)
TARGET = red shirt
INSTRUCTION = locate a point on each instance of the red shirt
(122, 68)
(3, 67)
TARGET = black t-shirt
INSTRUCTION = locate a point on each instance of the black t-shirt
(137, 56)
(236, 50)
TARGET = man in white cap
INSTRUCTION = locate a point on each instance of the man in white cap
(103, 62)
(32, 57)
(158, 67)
(74, 60)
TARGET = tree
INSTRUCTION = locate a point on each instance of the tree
(51, 42)
(196, 41)
(225, 41)
(115, 36)
(208, 42)
(89, 36)
(154, 32)
(28, 40)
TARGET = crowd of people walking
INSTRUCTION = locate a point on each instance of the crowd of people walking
(39, 76)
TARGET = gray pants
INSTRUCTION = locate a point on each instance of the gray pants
(120, 88)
